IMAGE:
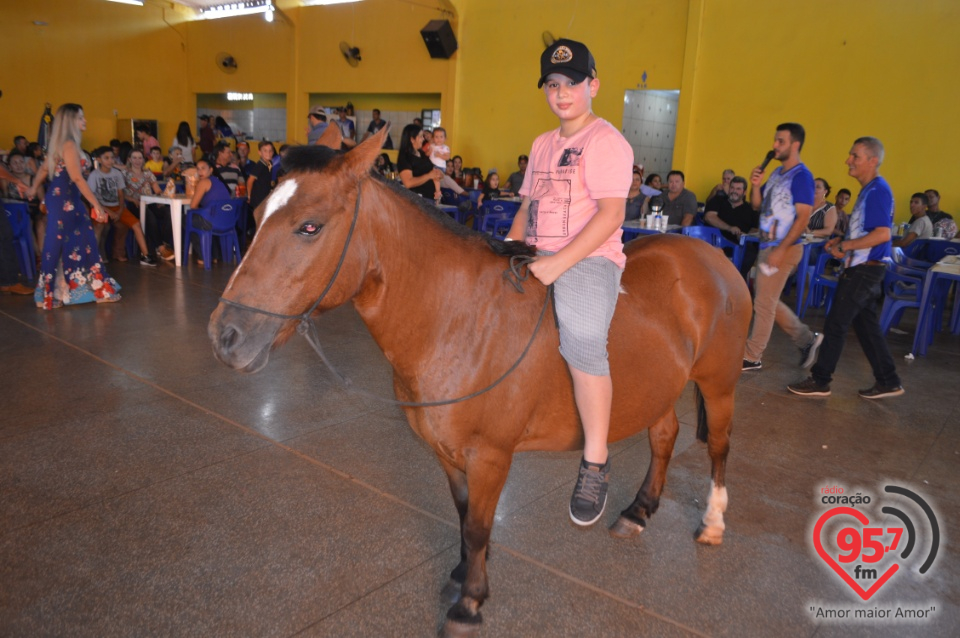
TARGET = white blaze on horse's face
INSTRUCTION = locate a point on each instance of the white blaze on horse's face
(276, 200)
(279, 198)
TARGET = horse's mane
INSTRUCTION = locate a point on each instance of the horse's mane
(317, 158)
(307, 158)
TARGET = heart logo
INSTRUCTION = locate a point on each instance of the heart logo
(875, 545)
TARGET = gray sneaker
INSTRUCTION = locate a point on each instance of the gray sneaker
(590, 495)
(808, 354)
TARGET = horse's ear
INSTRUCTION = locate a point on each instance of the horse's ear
(331, 137)
(361, 158)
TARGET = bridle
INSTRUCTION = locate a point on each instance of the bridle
(515, 275)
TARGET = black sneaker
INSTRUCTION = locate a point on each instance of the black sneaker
(881, 391)
(808, 354)
(810, 388)
(148, 260)
(590, 495)
(751, 365)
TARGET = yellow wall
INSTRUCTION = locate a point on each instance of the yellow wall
(94, 53)
(501, 110)
(842, 69)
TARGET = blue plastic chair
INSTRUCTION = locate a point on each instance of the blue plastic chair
(936, 290)
(708, 234)
(502, 227)
(222, 216)
(938, 249)
(494, 211)
(822, 286)
(18, 213)
(900, 292)
(715, 238)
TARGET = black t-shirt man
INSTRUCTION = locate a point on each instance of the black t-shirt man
(375, 127)
(742, 216)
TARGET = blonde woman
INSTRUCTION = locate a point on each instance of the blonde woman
(70, 244)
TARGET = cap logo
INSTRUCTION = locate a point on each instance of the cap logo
(562, 55)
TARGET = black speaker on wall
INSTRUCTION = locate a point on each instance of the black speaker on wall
(439, 38)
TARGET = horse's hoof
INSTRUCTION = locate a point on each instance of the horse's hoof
(460, 625)
(451, 592)
(625, 528)
(709, 535)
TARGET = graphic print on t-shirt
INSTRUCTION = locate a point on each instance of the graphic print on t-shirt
(550, 207)
(570, 157)
(106, 190)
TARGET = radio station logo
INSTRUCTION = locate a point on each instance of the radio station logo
(867, 544)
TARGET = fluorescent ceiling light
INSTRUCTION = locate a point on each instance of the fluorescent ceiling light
(232, 9)
(316, 3)
(138, 3)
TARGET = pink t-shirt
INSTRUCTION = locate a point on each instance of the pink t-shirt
(566, 176)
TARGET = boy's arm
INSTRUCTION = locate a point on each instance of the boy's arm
(518, 231)
(608, 219)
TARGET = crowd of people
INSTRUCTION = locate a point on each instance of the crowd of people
(60, 184)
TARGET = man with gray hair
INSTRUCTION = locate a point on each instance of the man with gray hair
(865, 251)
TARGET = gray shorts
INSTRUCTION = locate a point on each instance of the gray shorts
(586, 296)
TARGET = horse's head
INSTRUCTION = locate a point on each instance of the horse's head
(302, 234)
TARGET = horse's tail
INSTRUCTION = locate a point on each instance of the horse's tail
(701, 414)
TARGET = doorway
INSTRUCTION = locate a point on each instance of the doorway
(650, 126)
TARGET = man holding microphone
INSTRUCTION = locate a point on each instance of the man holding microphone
(865, 251)
(785, 203)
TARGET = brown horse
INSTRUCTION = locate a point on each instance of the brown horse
(432, 295)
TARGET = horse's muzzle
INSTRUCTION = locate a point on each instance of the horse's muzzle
(236, 345)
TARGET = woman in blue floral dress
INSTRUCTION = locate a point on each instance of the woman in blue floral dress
(71, 271)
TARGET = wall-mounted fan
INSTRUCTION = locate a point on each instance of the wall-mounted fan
(350, 54)
(226, 63)
(548, 39)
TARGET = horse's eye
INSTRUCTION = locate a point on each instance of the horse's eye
(310, 229)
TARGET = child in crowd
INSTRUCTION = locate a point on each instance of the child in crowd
(107, 183)
(574, 198)
(174, 164)
(439, 153)
(155, 163)
(491, 188)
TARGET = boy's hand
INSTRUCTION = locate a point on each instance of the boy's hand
(547, 269)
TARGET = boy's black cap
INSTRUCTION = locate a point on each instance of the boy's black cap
(572, 59)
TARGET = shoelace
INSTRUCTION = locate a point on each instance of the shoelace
(590, 484)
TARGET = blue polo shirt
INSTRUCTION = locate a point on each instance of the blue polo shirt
(874, 208)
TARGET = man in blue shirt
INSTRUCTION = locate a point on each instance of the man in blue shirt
(865, 251)
(785, 203)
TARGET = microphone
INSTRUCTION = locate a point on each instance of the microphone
(766, 160)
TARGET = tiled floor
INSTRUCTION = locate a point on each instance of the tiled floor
(147, 490)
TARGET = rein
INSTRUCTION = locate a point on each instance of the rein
(515, 275)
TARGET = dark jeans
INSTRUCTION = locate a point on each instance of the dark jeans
(156, 227)
(857, 301)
